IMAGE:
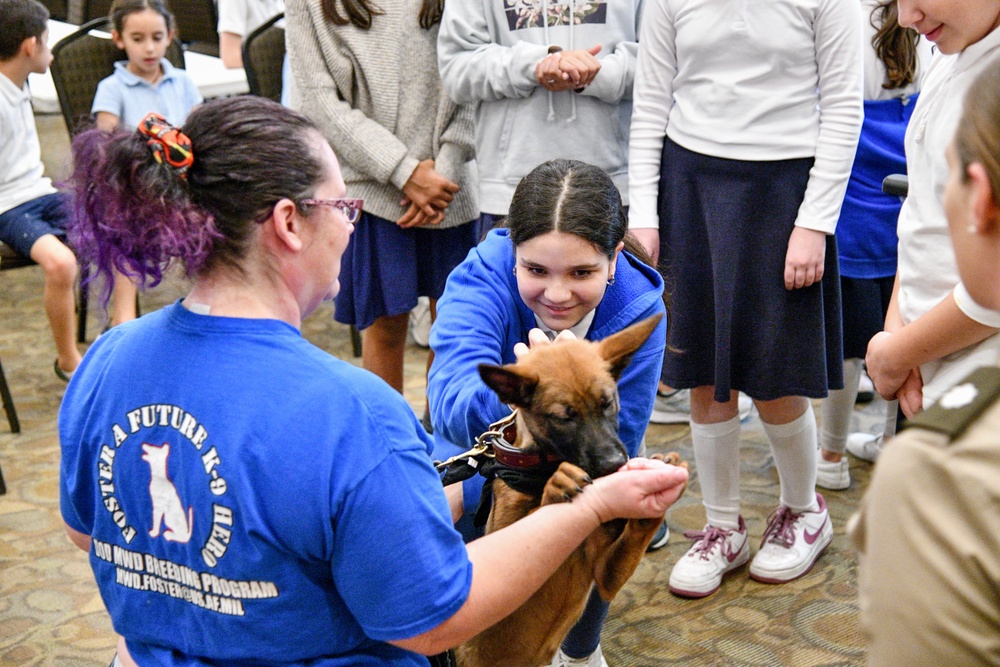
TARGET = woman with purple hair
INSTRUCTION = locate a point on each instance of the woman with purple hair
(239, 490)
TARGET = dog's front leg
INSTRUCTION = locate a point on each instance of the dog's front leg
(566, 482)
(614, 565)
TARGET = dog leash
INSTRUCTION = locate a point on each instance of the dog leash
(462, 466)
(494, 456)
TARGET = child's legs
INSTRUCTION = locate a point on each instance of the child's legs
(584, 637)
(377, 291)
(430, 353)
(59, 264)
(791, 428)
(836, 410)
(864, 303)
(35, 229)
(383, 347)
(715, 436)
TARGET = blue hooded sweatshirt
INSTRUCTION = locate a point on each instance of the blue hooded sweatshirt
(480, 317)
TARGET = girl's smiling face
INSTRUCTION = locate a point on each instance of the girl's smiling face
(561, 277)
(952, 25)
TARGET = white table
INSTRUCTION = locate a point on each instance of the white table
(207, 72)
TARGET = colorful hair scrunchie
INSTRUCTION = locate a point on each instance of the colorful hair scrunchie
(170, 146)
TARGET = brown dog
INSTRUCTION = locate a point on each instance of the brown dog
(567, 400)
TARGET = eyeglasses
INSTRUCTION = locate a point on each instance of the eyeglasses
(351, 208)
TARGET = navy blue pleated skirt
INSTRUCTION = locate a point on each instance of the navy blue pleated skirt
(386, 268)
(724, 230)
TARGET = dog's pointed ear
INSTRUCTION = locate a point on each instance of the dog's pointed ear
(513, 387)
(619, 348)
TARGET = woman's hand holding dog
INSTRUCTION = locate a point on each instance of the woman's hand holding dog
(642, 489)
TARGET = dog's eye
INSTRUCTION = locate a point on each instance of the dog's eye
(606, 403)
(568, 414)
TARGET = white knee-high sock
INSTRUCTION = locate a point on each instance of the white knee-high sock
(717, 456)
(794, 448)
(837, 408)
(891, 408)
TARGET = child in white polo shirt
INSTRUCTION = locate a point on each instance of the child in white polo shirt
(32, 213)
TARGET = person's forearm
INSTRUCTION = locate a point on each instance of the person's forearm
(508, 567)
(893, 318)
(231, 49)
(943, 330)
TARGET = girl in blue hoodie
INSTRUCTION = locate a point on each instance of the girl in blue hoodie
(562, 262)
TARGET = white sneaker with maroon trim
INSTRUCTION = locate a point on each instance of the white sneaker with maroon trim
(595, 659)
(792, 543)
(715, 552)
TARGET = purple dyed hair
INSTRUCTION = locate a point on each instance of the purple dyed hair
(136, 216)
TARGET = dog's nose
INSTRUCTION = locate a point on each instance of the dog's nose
(612, 460)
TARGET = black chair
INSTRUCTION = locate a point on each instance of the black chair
(197, 25)
(58, 9)
(10, 259)
(896, 184)
(263, 56)
(79, 12)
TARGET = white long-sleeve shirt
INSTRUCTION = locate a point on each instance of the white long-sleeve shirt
(752, 81)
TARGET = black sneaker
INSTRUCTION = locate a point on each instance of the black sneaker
(660, 538)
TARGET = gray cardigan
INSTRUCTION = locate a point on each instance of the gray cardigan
(376, 96)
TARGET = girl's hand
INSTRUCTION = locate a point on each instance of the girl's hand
(537, 338)
(581, 65)
(568, 70)
(429, 190)
(805, 258)
(549, 76)
(887, 374)
(415, 216)
(649, 237)
(911, 394)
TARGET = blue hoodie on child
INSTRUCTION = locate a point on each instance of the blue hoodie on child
(480, 317)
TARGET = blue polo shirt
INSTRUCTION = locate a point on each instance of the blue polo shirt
(130, 98)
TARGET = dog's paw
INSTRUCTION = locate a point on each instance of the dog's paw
(565, 483)
(674, 459)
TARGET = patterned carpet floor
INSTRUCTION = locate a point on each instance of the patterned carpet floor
(52, 614)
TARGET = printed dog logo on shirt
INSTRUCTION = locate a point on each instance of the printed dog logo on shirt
(167, 506)
(528, 13)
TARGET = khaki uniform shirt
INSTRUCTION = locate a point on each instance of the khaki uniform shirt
(929, 535)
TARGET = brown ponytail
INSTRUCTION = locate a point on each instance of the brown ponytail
(895, 46)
